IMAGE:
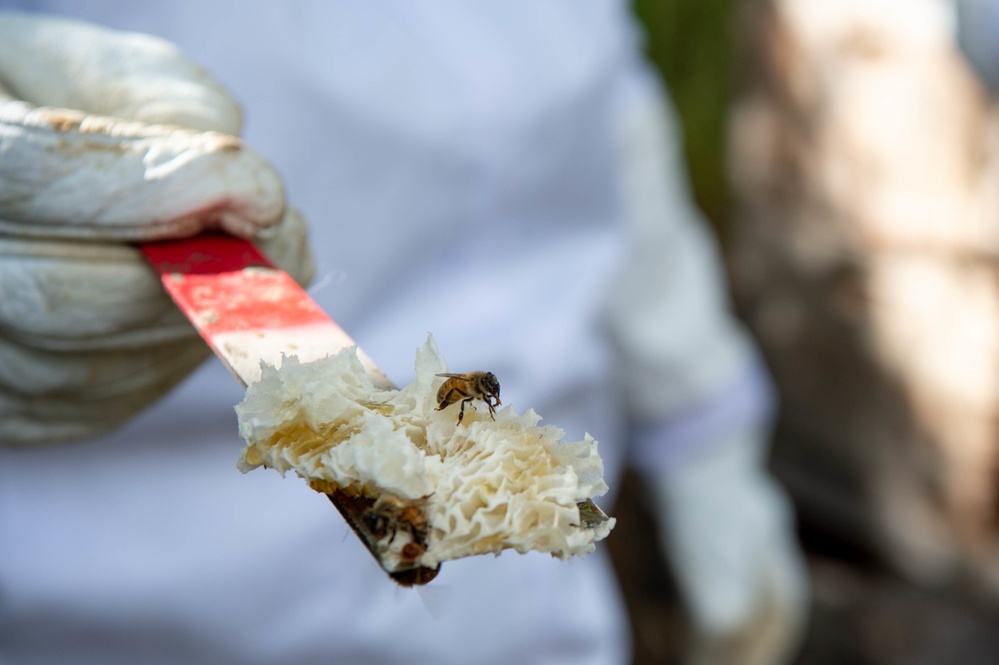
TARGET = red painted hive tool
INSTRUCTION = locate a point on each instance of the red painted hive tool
(249, 311)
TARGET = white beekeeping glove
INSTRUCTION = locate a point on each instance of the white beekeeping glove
(728, 531)
(107, 138)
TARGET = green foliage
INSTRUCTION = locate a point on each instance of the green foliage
(690, 42)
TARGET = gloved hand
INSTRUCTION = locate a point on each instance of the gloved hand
(728, 531)
(107, 138)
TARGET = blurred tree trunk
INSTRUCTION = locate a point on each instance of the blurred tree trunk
(864, 255)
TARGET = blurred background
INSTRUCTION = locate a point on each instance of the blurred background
(846, 154)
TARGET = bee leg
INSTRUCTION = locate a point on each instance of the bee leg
(449, 399)
(461, 412)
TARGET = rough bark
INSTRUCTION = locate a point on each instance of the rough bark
(865, 258)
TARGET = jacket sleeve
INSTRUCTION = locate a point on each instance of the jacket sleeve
(687, 368)
(977, 31)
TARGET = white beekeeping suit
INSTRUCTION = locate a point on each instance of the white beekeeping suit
(977, 23)
(501, 174)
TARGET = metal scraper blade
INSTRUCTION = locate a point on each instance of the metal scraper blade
(250, 311)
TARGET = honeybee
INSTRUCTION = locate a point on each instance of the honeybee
(466, 387)
(389, 514)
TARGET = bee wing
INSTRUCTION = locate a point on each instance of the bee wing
(449, 375)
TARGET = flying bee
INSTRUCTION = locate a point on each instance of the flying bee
(465, 388)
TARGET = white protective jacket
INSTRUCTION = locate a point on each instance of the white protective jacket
(504, 175)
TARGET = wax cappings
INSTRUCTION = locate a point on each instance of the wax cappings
(483, 485)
